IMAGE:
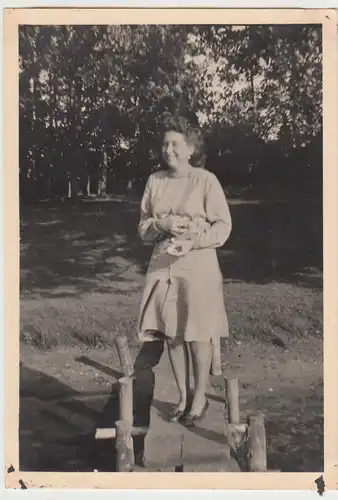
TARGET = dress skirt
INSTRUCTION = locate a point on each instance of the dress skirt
(183, 296)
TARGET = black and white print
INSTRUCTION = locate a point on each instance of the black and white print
(91, 98)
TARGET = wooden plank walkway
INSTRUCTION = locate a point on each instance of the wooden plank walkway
(205, 447)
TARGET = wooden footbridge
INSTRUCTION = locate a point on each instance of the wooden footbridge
(218, 443)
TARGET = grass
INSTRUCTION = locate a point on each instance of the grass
(82, 269)
(258, 312)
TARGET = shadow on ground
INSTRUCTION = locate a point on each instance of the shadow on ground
(94, 246)
(58, 423)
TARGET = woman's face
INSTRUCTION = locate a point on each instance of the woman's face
(176, 151)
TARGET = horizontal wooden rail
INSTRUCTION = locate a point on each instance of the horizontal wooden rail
(110, 432)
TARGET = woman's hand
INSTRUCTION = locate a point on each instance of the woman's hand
(173, 224)
(178, 248)
(180, 225)
(164, 224)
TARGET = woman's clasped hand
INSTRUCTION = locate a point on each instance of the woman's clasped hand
(176, 226)
(173, 224)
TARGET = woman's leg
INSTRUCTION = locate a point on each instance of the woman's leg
(201, 359)
(179, 359)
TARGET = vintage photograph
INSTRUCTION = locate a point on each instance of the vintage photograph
(171, 247)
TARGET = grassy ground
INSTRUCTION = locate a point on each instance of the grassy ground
(277, 312)
(82, 269)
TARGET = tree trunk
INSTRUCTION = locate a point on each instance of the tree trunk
(73, 186)
(294, 107)
(88, 186)
(253, 63)
(33, 147)
(102, 189)
(54, 102)
(253, 99)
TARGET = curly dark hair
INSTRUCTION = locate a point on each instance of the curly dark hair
(188, 126)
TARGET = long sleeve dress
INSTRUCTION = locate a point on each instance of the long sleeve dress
(183, 296)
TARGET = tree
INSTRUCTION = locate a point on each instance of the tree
(90, 99)
(271, 78)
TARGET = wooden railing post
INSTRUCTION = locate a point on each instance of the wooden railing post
(124, 441)
(232, 400)
(123, 351)
(257, 457)
(124, 447)
(216, 359)
(126, 399)
(126, 408)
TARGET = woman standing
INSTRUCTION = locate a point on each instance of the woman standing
(184, 213)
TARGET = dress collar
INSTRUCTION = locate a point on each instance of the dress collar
(185, 173)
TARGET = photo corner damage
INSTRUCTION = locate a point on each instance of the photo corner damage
(320, 485)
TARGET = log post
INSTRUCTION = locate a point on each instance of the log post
(126, 400)
(216, 362)
(126, 411)
(123, 351)
(232, 399)
(124, 447)
(257, 459)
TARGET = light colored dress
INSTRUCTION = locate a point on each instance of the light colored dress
(183, 296)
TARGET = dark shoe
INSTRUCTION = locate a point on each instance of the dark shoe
(176, 415)
(190, 419)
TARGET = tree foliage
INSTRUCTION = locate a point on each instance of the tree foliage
(90, 97)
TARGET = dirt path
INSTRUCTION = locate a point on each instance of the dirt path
(65, 395)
